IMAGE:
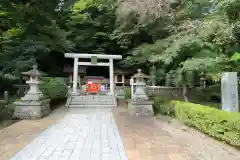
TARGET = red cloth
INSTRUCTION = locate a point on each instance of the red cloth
(92, 88)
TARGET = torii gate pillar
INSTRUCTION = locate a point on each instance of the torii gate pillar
(76, 56)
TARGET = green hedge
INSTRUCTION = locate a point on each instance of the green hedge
(54, 89)
(222, 125)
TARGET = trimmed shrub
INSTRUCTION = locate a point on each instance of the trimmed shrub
(222, 125)
(54, 89)
(127, 93)
(161, 105)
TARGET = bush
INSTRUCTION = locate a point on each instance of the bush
(222, 125)
(6, 111)
(127, 93)
(161, 105)
(54, 89)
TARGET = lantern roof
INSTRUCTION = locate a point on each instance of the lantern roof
(34, 72)
(139, 74)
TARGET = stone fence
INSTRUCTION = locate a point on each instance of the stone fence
(151, 91)
(163, 91)
(21, 89)
(155, 91)
(210, 93)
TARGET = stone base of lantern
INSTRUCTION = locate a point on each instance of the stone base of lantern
(140, 107)
(32, 109)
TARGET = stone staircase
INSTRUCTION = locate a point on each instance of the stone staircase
(92, 101)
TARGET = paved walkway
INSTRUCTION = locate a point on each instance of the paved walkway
(80, 134)
(83, 134)
(15, 137)
(166, 139)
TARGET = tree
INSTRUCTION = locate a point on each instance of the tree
(31, 34)
(195, 36)
(90, 23)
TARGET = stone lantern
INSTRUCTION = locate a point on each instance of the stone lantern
(34, 80)
(140, 85)
(139, 104)
(33, 105)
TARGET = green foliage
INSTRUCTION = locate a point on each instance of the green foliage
(230, 7)
(212, 93)
(6, 111)
(220, 124)
(177, 37)
(235, 57)
(7, 81)
(127, 93)
(196, 36)
(92, 22)
(180, 78)
(161, 106)
(54, 89)
(30, 32)
(7, 108)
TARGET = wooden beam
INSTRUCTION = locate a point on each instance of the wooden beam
(99, 56)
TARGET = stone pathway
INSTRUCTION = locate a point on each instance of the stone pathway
(83, 134)
(164, 139)
(13, 138)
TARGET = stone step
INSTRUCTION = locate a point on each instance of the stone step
(92, 106)
(92, 96)
(93, 100)
(90, 103)
(96, 100)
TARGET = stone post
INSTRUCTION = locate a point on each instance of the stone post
(75, 75)
(6, 96)
(132, 91)
(111, 77)
(229, 91)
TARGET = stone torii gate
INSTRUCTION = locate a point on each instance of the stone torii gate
(76, 56)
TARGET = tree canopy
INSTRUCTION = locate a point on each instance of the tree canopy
(174, 36)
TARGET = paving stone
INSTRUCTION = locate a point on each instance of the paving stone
(83, 134)
(92, 134)
(158, 139)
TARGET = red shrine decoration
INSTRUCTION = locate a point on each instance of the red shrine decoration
(93, 85)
